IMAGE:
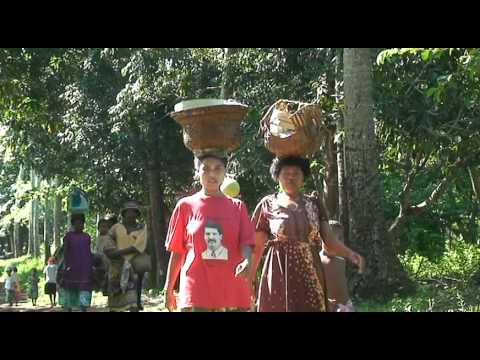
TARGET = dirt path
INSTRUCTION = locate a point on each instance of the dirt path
(99, 304)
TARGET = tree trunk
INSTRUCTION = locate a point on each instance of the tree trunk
(36, 249)
(10, 237)
(227, 85)
(367, 229)
(157, 231)
(57, 218)
(342, 180)
(475, 180)
(46, 233)
(16, 224)
(30, 249)
(16, 239)
(330, 187)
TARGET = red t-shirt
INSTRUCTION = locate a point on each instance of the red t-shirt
(210, 232)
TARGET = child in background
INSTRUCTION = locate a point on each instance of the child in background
(334, 268)
(50, 272)
(34, 279)
(10, 287)
(104, 226)
(102, 263)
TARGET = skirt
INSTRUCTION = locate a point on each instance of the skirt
(10, 296)
(74, 298)
(34, 292)
(50, 288)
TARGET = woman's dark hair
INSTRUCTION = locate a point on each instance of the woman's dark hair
(75, 217)
(103, 221)
(199, 159)
(278, 163)
(112, 220)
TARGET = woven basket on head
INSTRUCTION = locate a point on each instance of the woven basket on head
(212, 127)
(308, 135)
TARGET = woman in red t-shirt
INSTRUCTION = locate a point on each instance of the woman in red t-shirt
(210, 237)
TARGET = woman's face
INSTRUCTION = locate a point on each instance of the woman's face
(103, 228)
(291, 178)
(212, 173)
(78, 225)
(130, 215)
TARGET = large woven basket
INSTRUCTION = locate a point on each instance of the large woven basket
(308, 135)
(212, 127)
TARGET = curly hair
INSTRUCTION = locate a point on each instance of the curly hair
(278, 163)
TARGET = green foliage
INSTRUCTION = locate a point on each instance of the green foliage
(24, 265)
(450, 283)
(459, 260)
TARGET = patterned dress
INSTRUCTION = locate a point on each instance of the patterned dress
(292, 277)
(34, 279)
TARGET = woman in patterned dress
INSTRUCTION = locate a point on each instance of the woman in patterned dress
(291, 226)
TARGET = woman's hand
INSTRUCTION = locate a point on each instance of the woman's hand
(242, 269)
(358, 260)
(252, 282)
(170, 300)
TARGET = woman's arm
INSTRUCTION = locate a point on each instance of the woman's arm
(113, 253)
(334, 247)
(260, 240)
(126, 251)
(65, 253)
(174, 267)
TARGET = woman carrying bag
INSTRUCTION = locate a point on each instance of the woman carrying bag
(129, 260)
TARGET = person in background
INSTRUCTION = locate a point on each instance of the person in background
(127, 239)
(336, 279)
(102, 261)
(77, 278)
(50, 272)
(34, 279)
(10, 287)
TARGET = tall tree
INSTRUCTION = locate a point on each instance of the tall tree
(367, 228)
(46, 230)
(342, 179)
(227, 81)
(57, 216)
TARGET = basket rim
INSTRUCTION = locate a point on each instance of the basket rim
(210, 109)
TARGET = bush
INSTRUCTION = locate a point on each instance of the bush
(446, 284)
(460, 261)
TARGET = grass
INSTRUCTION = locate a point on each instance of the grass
(429, 298)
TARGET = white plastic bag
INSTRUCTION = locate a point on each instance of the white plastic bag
(280, 124)
(125, 275)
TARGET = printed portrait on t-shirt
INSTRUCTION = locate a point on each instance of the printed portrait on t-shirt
(213, 235)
